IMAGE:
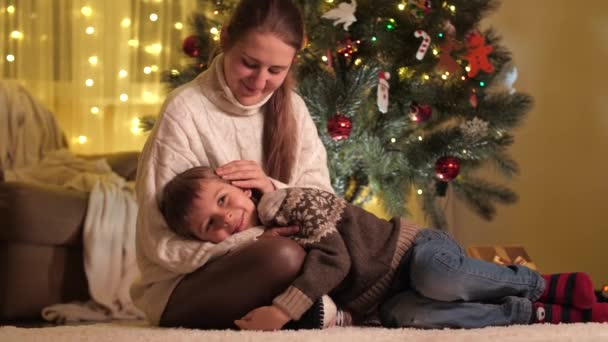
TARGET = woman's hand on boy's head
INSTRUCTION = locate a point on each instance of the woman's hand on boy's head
(280, 231)
(246, 174)
(267, 318)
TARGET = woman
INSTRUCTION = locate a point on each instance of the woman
(242, 117)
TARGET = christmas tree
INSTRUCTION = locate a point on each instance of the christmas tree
(409, 96)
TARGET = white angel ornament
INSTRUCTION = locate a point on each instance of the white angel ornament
(344, 14)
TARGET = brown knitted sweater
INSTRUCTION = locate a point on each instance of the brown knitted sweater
(352, 255)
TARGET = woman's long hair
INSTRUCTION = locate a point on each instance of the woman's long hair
(284, 20)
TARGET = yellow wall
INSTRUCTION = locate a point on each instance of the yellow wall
(560, 48)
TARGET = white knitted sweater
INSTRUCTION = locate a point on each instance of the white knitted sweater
(202, 123)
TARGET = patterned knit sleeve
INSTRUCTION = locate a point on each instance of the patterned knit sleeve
(327, 263)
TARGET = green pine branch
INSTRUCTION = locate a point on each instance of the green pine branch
(387, 155)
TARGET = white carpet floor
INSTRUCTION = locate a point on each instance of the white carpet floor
(139, 331)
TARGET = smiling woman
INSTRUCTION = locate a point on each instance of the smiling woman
(242, 118)
(255, 72)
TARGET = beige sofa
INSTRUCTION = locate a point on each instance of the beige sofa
(41, 260)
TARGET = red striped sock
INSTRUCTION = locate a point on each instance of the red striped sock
(599, 312)
(555, 313)
(575, 289)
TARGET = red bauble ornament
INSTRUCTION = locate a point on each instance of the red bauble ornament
(420, 113)
(339, 127)
(191, 46)
(447, 168)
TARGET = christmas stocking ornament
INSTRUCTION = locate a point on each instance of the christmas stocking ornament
(383, 88)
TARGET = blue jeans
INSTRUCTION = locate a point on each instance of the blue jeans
(439, 286)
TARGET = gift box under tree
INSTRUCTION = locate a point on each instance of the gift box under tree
(502, 255)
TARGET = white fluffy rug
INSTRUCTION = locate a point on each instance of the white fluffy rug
(139, 331)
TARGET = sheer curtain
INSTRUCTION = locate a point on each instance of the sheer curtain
(95, 63)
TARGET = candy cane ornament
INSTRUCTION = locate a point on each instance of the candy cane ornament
(426, 41)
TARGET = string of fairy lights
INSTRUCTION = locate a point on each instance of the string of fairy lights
(124, 74)
(154, 49)
(350, 47)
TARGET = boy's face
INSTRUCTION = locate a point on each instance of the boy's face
(221, 210)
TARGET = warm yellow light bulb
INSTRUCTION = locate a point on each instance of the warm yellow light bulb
(147, 70)
(10, 58)
(401, 7)
(393, 140)
(10, 9)
(90, 30)
(154, 68)
(178, 26)
(135, 129)
(149, 97)
(324, 58)
(123, 73)
(124, 97)
(419, 191)
(153, 17)
(420, 138)
(93, 60)
(89, 82)
(16, 35)
(154, 49)
(94, 110)
(445, 77)
(358, 61)
(214, 30)
(133, 42)
(82, 139)
(126, 22)
(86, 11)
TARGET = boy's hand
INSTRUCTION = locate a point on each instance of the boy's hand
(280, 231)
(267, 318)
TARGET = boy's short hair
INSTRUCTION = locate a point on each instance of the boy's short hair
(178, 195)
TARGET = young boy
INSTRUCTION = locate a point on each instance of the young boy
(411, 277)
